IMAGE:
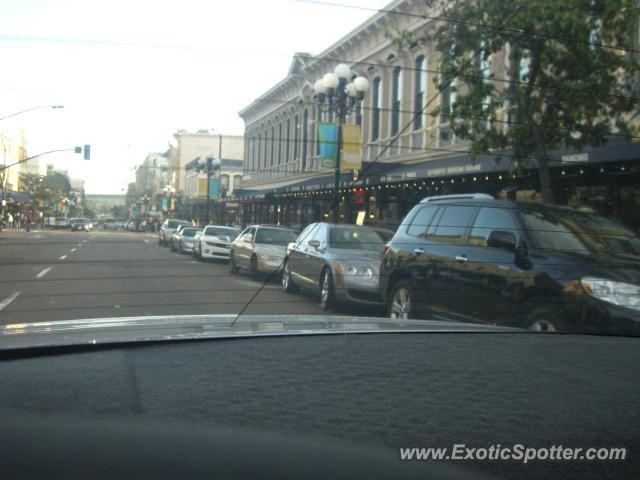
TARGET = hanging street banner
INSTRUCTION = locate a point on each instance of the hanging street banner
(214, 188)
(351, 148)
(328, 136)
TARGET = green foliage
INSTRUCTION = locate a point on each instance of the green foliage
(571, 80)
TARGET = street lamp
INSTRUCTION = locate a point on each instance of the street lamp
(209, 164)
(32, 108)
(340, 92)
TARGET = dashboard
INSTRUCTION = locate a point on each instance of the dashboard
(325, 401)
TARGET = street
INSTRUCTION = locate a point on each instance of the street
(60, 275)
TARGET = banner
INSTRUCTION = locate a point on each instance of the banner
(165, 204)
(328, 137)
(351, 148)
(214, 188)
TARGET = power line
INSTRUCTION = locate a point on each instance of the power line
(515, 30)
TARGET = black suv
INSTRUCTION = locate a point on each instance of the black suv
(477, 259)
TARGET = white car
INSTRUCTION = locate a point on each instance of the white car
(260, 249)
(214, 242)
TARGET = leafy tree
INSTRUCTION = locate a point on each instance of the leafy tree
(571, 78)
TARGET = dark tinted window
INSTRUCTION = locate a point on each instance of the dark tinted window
(275, 236)
(452, 224)
(555, 229)
(490, 219)
(421, 221)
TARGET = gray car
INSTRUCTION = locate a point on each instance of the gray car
(260, 249)
(341, 262)
(185, 239)
(168, 228)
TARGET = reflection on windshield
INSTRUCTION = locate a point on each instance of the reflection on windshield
(578, 232)
(274, 236)
(356, 239)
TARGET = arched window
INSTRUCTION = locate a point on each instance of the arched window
(420, 83)
(296, 136)
(305, 137)
(396, 100)
(288, 141)
(272, 147)
(376, 104)
(280, 150)
(224, 182)
(237, 180)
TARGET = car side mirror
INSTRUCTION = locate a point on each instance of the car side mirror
(290, 247)
(314, 243)
(247, 237)
(502, 239)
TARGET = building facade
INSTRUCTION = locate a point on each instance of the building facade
(408, 151)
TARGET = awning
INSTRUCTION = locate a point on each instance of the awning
(13, 196)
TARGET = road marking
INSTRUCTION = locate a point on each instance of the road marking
(79, 244)
(8, 300)
(72, 250)
(43, 272)
(146, 241)
(63, 257)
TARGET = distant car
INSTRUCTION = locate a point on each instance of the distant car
(260, 249)
(175, 236)
(214, 241)
(61, 223)
(340, 262)
(185, 239)
(80, 224)
(167, 228)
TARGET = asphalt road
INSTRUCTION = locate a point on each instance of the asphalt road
(56, 275)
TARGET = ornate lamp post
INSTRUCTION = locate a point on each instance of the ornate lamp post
(340, 92)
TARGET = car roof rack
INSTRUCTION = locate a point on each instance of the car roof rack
(466, 196)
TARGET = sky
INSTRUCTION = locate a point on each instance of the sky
(131, 73)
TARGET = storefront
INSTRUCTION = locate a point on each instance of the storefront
(606, 179)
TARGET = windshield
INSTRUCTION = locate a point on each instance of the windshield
(355, 239)
(578, 232)
(189, 232)
(222, 232)
(275, 236)
(369, 158)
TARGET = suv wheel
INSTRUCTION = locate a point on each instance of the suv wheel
(545, 319)
(402, 301)
(327, 291)
(287, 282)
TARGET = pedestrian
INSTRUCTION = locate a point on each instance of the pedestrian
(29, 220)
(10, 220)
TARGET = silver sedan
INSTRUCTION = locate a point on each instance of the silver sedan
(260, 249)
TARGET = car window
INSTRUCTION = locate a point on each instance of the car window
(487, 220)
(355, 239)
(452, 224)
(305, 236)
(189, 232)
(319, 234)
(421, 221)
(275, 236)
(226, 232)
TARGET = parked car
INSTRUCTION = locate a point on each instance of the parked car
(185, 239)
(340, 262)
(175, 236)
(61, 223)
(474, 258)
(80, 224)
(260, 249)
(214, 241)
(166, 230)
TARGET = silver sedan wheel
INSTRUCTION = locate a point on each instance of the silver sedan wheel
(286, 277)
(324, 290)
(400, 304)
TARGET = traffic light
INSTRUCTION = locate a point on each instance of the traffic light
(87, 152)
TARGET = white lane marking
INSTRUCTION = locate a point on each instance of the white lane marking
(146, 241)
(8, 300)
(43, 272)
(72, 250)
(63, 257)
(79, 244)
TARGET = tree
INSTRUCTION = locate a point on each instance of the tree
(571, 80)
